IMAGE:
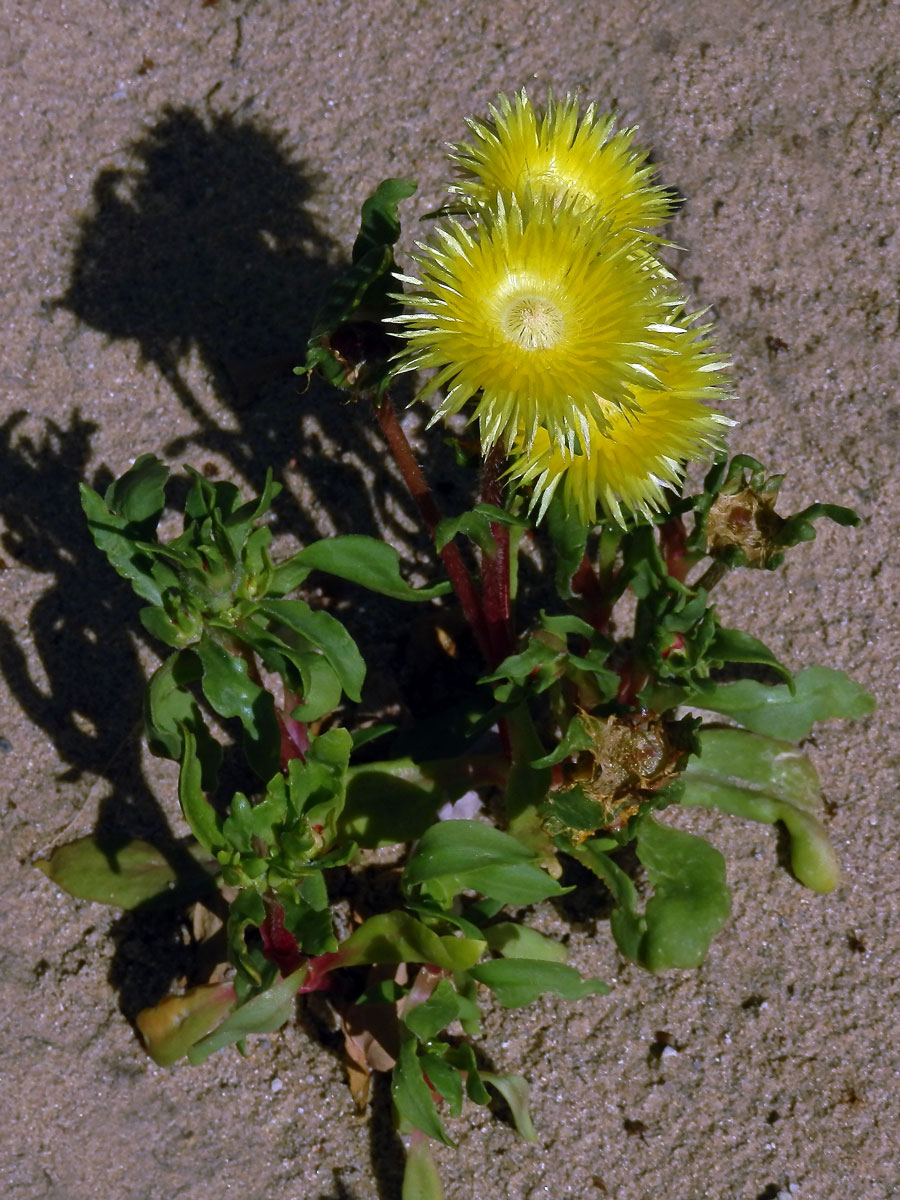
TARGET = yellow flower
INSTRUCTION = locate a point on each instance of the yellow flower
(587, 164)
(641, 451)
(541, 315)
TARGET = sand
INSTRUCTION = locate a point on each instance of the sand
(179, 181)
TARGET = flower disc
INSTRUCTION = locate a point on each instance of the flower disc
(588, 163)
(539, 312)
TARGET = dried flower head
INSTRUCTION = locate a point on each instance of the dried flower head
(626, 465)
(542, 315)
(586, 163)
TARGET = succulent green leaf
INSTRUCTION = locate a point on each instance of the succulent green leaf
(357, 558)
(263, 1013)
(327, 635)
(690, 901)
(198, 812)
(476, 524)
(735, 646)
(454, 856)
(232, 693)
(446, 1081)
(169, 1029)
(514, 1090)
(569, 537)
(421, 1180)
(169, 706)
(129, 876)
(397, 937)
(113, 536)
(463, 1058)
(441, 1009)
(626, 922)
(411, 1094)
(519, 941)
(819, 694)
(400, 937)
(768, 780)
(518, 981)
(379, 220)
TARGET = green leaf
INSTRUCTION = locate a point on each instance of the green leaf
(129, 876)
(441, 1009)
(421, 1180)
(397, 937)
(518, 981)
(379, 223)
(261, 1014)
(412, 1095)
(198, 812)
(169, 1029)
(327, 634)
(476, 524)
(519, 941)
(690, 901)
(768, 780)
(169, 706)
(454, 856)
(735, 646)
(446, 1081)
(820, 694)
(514, 1090)
(232, 693)
(359, 559)
(626, 922)
(112, 536)
(396, 801)
(463, 1058)
(139, 495)
(569, 537)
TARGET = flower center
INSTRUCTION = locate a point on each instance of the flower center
(533, 322)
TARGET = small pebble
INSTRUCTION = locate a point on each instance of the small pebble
(276, 1084)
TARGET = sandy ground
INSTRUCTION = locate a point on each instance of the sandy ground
(179, 178)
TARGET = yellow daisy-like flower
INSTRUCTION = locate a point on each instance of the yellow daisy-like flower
(625, 466)
(588, 163)
(542, 315)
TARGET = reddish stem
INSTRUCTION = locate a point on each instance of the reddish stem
(586, 584)
(279, 944)
(495, 567)
(673, 545)
(421, 494)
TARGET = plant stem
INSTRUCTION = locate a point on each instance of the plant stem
(711, 576)
(495, 567)
(421, 494)
(585, 583)
(673, 545)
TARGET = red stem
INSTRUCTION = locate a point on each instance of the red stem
(673, 544)
(586, 584)
(421, 494)
(495, 567)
